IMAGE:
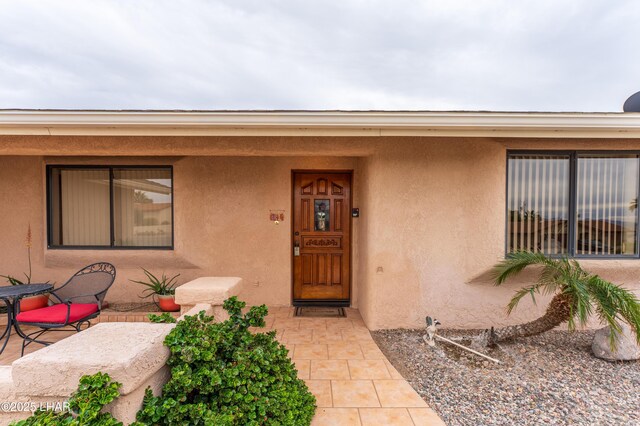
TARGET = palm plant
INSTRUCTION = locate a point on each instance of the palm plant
(577, 295)
(162, 286)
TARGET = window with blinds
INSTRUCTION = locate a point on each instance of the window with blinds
(538, 204)
(576, 204)
(110, 207)
(606, 205)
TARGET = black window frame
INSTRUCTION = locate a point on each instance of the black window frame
(573, 165)
(110, 168)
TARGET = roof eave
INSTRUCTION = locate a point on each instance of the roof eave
(319, 123)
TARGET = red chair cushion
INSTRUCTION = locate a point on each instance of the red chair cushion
(57, 314)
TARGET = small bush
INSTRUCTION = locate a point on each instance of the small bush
(94, 392)
(164, 317)
(222, 374)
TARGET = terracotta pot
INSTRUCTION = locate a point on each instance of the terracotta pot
(168, 303)
(30, 303)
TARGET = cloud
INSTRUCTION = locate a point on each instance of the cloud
(573, 55)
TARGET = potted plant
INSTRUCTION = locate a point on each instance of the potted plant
(28, 303)
(162, 288)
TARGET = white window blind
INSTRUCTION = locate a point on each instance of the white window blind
(606, 206)
(538, 204)
(110, 206)
(578, 204)
(142, 208)
(84, 207)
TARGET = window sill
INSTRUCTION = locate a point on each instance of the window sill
(619, 270)
(606, 263)
(126, 258)
(583, 258)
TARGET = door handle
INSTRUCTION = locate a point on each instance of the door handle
(296, 249)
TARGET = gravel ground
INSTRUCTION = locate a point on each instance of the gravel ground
(549, 379)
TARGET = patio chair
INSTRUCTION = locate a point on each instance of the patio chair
(78, 301)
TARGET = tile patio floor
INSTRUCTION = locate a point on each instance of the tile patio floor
(12, 351)
(353, 382)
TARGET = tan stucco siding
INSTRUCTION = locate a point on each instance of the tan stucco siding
(431, 216)
(222, 225)
(435, 224)
(435, 217)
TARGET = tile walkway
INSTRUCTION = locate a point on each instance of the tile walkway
(353, 382)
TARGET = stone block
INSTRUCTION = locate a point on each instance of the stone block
(207, 290)
(129, 352)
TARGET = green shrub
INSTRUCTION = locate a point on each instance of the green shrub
(94, 392)
(222, 374)
(164, 317)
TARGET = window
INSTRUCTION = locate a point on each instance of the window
(607, 194)
(538, 204)
(577, 204)
(110, 207)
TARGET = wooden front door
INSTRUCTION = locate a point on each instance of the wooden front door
(321, 238)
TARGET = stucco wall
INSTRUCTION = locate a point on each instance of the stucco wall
(224, 220)
(435, 219)
(222, 225)
(435, 225)
(431, 225)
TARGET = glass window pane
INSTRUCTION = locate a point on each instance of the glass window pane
(80, 207)
(606, 205)
(538, 204)
(142, 211)
(321, 215)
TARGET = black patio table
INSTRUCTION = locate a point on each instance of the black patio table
(10, 295)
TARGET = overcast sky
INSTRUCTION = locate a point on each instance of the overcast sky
(580, 55)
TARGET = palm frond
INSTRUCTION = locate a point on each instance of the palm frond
(585, 293)
(549, 278)
(531, 291)
(516, 262)
(574, 284)
(613, 303)
(580, 306)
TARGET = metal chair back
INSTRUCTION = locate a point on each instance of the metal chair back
(88, 285)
